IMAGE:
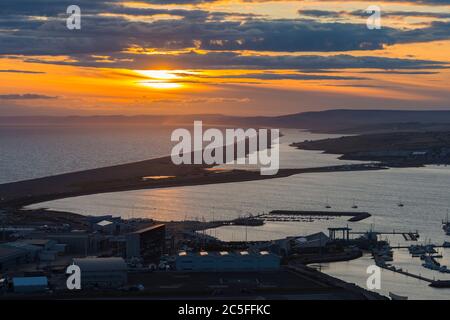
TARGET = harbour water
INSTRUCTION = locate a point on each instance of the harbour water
(423, 191)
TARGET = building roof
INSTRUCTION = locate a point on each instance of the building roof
(68, 235)
(318, 239)
(6, 251)
(317, 236)
(104, 223)
(224, 254)
(38, 242)
(153, 227)
(30, 281)
(101, 264)
(23, 245)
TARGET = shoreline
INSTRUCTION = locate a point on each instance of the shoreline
(400, 149)
(100, 180)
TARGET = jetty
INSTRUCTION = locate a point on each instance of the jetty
(405, 273)
(407, 235)
(299, 215)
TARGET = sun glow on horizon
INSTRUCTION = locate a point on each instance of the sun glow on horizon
(161, 85)
(162, 79)
(160, 74)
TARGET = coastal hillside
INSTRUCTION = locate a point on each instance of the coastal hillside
(401, 148)
(359, 121)
(329, 121)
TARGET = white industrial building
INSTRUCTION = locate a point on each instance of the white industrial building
(102, 272)
(226, 261)
(316, 240)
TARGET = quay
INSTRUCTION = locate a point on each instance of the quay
(432, 282)
(407, 235)
(292, 215)
(406, 273)
(407, 247)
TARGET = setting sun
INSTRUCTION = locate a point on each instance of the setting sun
(160, 79)
(160, 74)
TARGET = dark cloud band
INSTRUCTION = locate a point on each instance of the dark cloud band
(26, 96)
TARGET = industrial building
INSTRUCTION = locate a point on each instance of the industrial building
(102, 272)
(44, 244)
(11, 257)
(36, 249)
(108, 224)
(77, 242)
(226, 261)
(148, 243)
(313, 241)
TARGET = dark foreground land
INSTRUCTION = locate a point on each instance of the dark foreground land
(289, 283)
(392, 149)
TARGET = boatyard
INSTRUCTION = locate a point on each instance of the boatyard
(41, 245)
(166, 259)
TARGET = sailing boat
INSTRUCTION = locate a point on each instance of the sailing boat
(328, 204)
(446, 225)
(400, 203)
(354, 206)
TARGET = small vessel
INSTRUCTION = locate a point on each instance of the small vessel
(387, 258)
(431, 263)
(400, 203)
(418, 250)
(328, 205)
(446, 226)
(394, 296)
(436, 256)
(384, 253)
(354, 206)
(444, 269)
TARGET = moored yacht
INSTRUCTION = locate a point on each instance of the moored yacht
(446, 226)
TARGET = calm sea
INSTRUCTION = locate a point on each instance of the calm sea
(424, 192)
(36, 151)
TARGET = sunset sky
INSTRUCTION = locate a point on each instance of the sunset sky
(240, 57)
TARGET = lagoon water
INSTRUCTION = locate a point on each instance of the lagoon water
(424, 192)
